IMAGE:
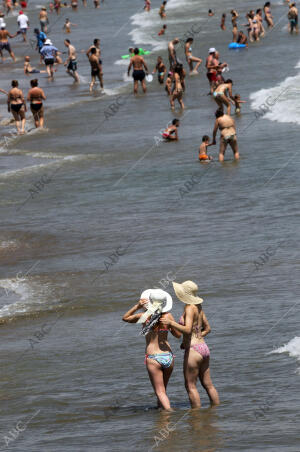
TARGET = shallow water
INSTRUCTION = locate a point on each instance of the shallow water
(93, 184)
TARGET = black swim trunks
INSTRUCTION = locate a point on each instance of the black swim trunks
(49, 61)
(138, 75)
(5, 46)
(72, 66)
(95, 72)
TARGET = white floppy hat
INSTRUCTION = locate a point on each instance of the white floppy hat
(158, 297)
(3, 25)
(48, 41)
(187, 292)
(212, 50)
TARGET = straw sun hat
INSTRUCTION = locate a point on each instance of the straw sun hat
(187, 292)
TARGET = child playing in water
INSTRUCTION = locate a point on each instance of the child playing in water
(171, 132)
(162, 10)
(161, 69)
(67, 26)
(147, 6)
(210, 13)
(162, 31)
(28, 69)
(238, 102)
(169, 82)
(203, 157)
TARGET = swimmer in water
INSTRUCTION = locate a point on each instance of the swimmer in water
(67, 26)
(221, 97)
(161, 70)
(171, 132)
(226, 125)
(222, 25)
(203, 157)
(36, 96)
(177, 92)
(162, 31)
(16, 104)
(238, 102)
(210, 13)
(162, 10)
(28, 69)
(138, 64)
(169, 83)
(242, 39)
(190, 58)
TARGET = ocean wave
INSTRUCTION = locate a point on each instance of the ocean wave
(280, 102)
(292, 348)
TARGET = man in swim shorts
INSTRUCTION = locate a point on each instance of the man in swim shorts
(71, 62)
(96, 46)
(4, 44)
(96, 71)
(212, 64)
(138, 64)
(226, 125)
(172, 53)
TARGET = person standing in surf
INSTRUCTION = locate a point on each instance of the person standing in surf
(36, 96)
(226, 125)
(194, 326)
(190, 58)
(138, 64)
(172, 53)
(159, 358)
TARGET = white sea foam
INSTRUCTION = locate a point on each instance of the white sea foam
(292, 348)
(280, 103)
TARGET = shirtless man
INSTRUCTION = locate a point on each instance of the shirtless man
(138, 64)
(212, 64)
(226, 125)
(95, 67)
(293, 17)
(4, 44)
(172, 53)
(96, 46)
(71, 62)
(36, 96)
(220, 95)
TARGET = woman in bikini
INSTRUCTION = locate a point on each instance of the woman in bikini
(221, 97)
(190, 58)
(234, 16)
(36, 96)
(159, 358)
(194, 326)
(177, 92)
(226, 125)
(16, 104)
(268, 15)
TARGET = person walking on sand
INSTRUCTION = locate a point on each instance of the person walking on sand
(138, 64)
(194, 326)
(16, 104)
(71, 62)
(226, 125)
(159, 358)
(36, 96)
